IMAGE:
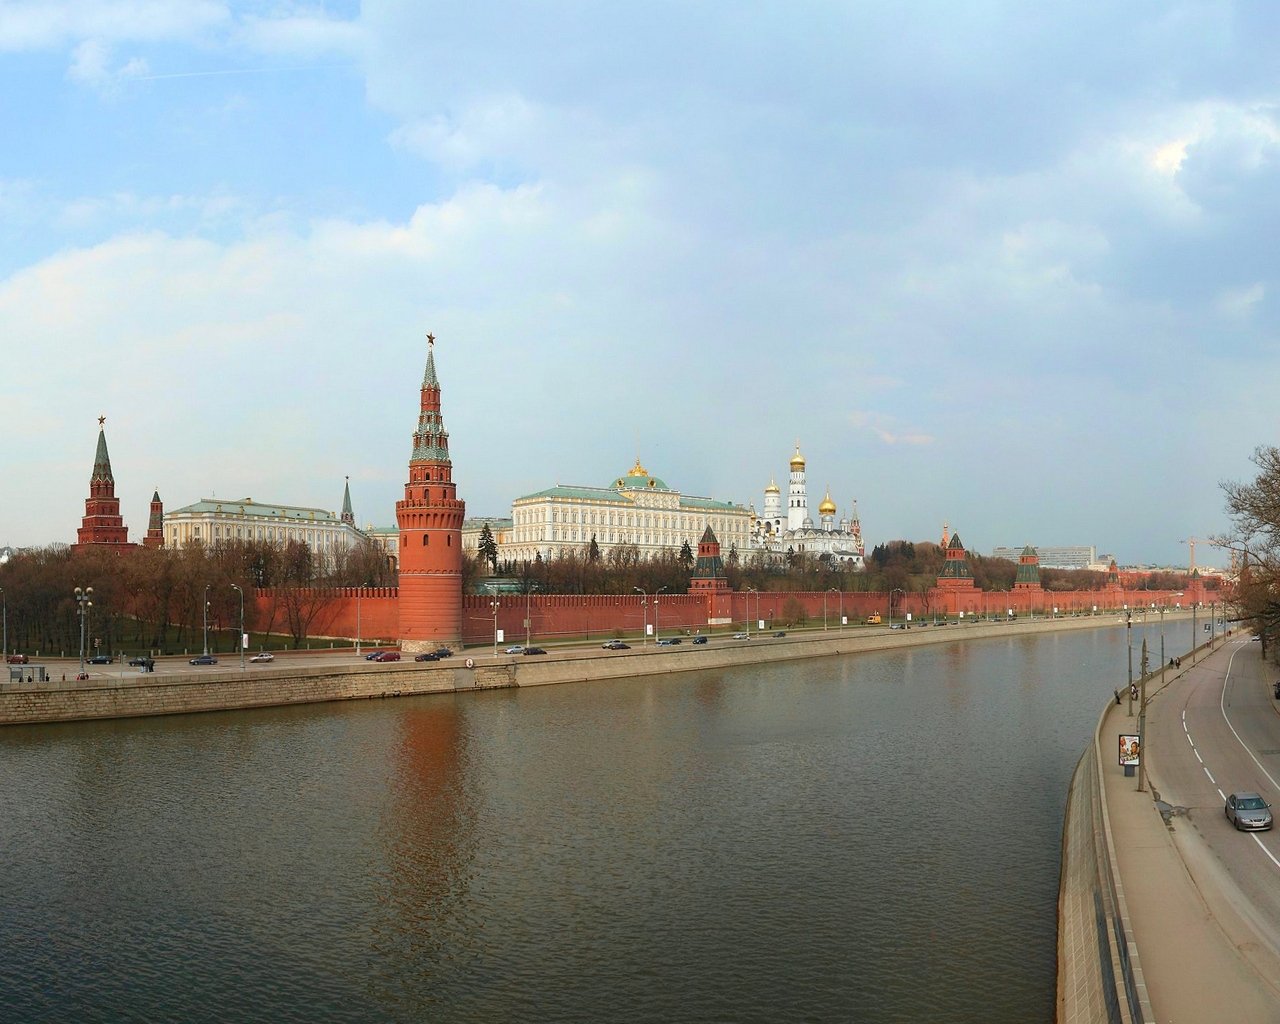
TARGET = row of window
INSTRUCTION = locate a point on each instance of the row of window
(319, 539)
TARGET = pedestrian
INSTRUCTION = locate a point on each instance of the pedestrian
(1117, 698)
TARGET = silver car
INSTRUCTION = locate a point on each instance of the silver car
(1248, 811)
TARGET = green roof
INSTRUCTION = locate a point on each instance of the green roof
(249, 507)
(611, 494)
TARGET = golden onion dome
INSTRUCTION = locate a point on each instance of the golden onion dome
(773, 488)
(797, 460)
(828, 507)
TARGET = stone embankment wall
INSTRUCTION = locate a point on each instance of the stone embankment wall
(227, 689)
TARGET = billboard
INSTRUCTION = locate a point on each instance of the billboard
(1129, 750)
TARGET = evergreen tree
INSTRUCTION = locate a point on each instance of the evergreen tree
(686, 555)
(593, 552)
(489, 548)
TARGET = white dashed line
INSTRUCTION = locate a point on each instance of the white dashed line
(1211, 778)
(1197, 753)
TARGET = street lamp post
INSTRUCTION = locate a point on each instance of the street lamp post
(206, 618)
(240, 640)
(1128, 640)
(895, 590)
(84, 600)
(527, 628)
(359, 591)
(750, 591)
(644, 612)
(655, 612)
(4, 651)
(494, 605)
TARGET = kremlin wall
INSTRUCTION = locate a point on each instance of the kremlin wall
(428, 608)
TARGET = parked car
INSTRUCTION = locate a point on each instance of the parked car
(781, 632)
(263, 656)
(616, 645)
(443, 652)
(18, 659)
(204, 659)
(668, 641)
(532, 650)
(515, 649)
(101, 659)
(699, 639)
(1248, 811)
(742, 636)
(387, 656)
(373, 655)
(426, 656)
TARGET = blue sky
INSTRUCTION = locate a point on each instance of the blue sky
(1009, 266)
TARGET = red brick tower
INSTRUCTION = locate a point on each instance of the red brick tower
(102, 524)
(430, 520)
(155, 525)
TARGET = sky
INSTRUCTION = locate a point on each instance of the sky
(1007, 266)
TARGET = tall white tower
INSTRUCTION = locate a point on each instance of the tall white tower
(797, 496)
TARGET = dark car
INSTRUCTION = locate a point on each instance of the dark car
(204, 659)
(668, 641)
(387, 656)
(141, 661)
(616, 645)
(372, 655)
(699, 639)
(781, 632)
(534, 650)
(100, 659)
(1248, 811)
(426, 656)
(1276, 690)
(18, 659)
(443, 652)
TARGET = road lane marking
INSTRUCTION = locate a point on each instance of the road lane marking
(1222, 705)
(1197, 753)
(1211, 778)
(1255, 838)
(1191, 741)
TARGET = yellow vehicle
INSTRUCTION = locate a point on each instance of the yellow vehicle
(873, 619)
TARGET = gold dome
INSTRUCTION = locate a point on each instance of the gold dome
(773, 488)
(828, 507)
(637, 469)
(797, 460)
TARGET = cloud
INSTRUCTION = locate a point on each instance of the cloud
(1240, 302)
(879, 426)
(50, 24)
(91, 65)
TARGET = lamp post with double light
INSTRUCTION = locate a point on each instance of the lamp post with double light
(895, 590)
(206, 618)
(359, 592)
(84, 601)
(240, 640)
(494, 605)
(750, 591)
(655, 612)
(4, 651)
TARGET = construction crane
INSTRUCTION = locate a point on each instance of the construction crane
(1192, 542)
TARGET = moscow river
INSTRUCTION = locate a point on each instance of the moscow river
(867, 838)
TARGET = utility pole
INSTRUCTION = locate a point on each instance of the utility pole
(1142, 723)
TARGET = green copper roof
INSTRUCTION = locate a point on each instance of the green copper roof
(612, 495)
(347, 515)
(429, 379)
(249, 507)
(101, 460)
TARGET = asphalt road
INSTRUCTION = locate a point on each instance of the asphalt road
(1214, 732)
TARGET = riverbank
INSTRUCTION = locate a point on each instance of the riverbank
(199, 691)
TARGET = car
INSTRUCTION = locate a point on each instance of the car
(387, 656)
(373, 655)
(18, 659)
(1276, 690)
(1248, 811)
(699, 639)
(669, 641)
(898, 625)
(515, 649)
(781, 632)
(1255, 639)
(426, 656)
(101, 659)
(615, 645)
(533, 650)
(742, 636)
(263, 656)
(141, 661)
(443, 652)
(204, 659)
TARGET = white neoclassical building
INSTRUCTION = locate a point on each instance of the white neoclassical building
(634, 509)
(214, 521)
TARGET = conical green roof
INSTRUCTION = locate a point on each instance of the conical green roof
(101, 460)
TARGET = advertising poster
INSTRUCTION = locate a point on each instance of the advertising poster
(1129, 752)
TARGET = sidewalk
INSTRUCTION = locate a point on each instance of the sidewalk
(1189, 939)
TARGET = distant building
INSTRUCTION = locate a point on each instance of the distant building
(214, 521)
(795, 531)
(1083, 556)
(635, 509)
(102, 526)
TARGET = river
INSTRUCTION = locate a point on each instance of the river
(869, 838)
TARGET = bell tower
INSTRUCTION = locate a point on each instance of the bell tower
(430, 521)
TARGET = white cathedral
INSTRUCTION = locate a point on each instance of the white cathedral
(795, 531)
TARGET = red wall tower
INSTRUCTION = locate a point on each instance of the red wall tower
(430, 520)
(155, 525)
(102, 524)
